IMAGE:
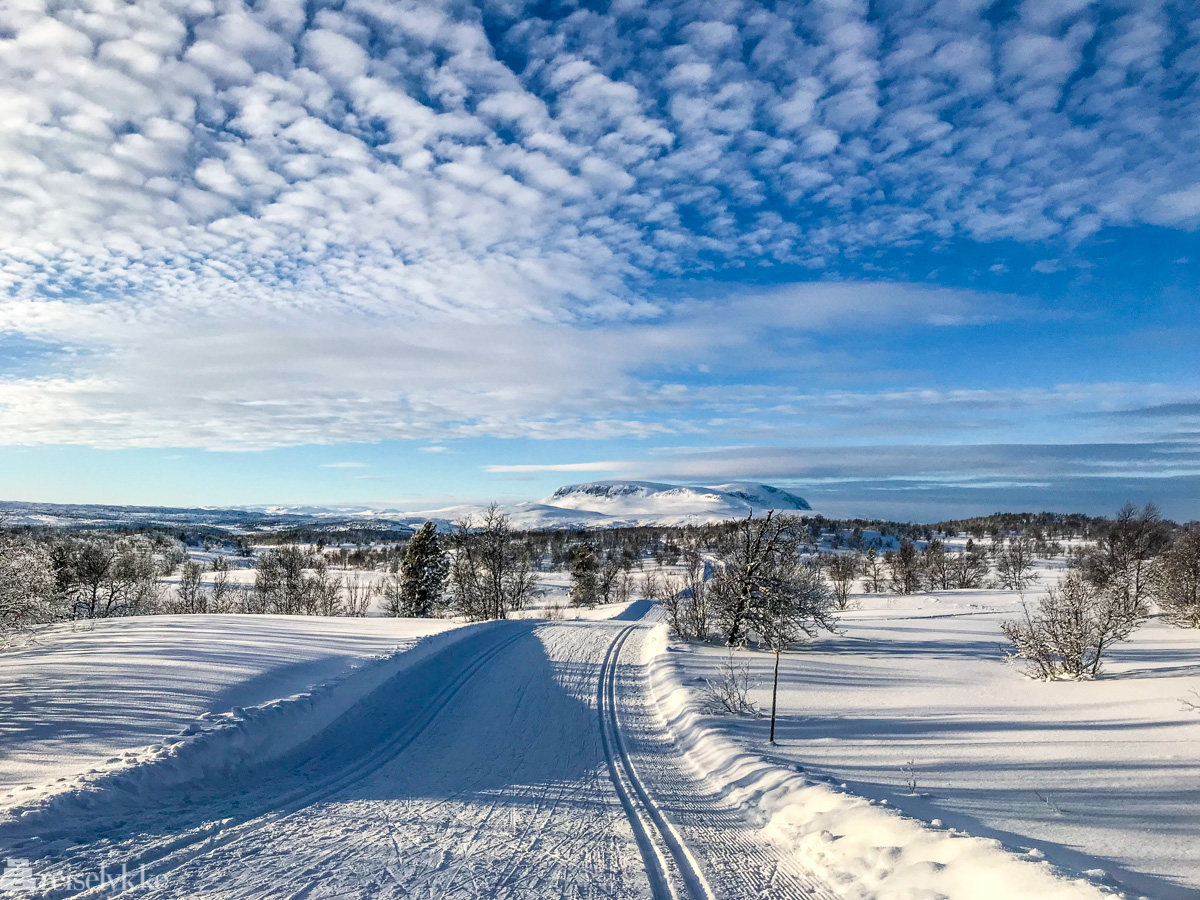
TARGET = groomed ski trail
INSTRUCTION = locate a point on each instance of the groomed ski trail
(524, 762)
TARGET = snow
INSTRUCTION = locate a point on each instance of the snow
(81, 702)
(1100, 776)
(597, 504)
(382, 757)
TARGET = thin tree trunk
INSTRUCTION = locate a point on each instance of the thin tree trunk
(774, 695)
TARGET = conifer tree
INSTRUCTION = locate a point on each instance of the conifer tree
(423, 573)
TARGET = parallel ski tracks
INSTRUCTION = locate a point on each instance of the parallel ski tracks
(669, 865)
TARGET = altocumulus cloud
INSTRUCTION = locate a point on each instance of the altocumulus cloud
(233, 226)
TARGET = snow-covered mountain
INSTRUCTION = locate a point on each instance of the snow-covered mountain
(595, 504)
(615, 503)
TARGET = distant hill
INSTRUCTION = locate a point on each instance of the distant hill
(595, 504)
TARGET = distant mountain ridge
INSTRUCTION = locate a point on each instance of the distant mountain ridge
(594, 504)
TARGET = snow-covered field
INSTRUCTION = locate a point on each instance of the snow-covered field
(83, 700)
(1100, 775)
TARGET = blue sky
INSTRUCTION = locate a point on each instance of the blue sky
(911, 259)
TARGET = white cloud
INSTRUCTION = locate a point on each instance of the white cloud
(611, 466)
(344, 465)
(246, 229)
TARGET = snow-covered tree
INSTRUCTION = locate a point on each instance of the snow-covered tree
(1175, 584)
(423, 573)
(1123, 557)
(26, 584)
(100, 576)
(1073, 625)
(748, 559)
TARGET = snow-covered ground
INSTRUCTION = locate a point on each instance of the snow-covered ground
(82, 700)
(569, 758)
(1099, 775)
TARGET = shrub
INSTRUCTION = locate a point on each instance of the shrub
(1072, 627)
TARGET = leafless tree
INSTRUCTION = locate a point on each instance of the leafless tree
(491, 572)
(101, 577)
(937, 566)
(359, 595)
(793, 604)
(191, 595)
(1014, 564)
(1123, 558)
(904, 568)
(1175, 583)
(748, 561)
(729, 690)
(874, 571)
(222, 590)
(969, 568)
(1071, 628)
(842, 569)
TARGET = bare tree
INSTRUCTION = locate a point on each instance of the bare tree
(842, 569)
(323, 591)
(359, 595)
(191, 595)
(937, 566)
(1071, 628)
(970, 567)
(904, 568)
(729, 691)
(280, 585)
(1014, 564)
(491, 572)
(221, 588)
(747, 561)
(686, 599)
(874, 571)
(1175, 584)
(1123, 557)
(100, 577)
(794, 604)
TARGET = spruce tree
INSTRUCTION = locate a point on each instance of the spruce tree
(423, 573)
(585, 576)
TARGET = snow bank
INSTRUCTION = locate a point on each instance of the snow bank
(147, 701)
(859, 846)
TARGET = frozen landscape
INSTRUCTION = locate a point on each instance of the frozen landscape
(574, 751)
(599, 449)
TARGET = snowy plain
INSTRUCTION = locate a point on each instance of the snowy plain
(1101, 776)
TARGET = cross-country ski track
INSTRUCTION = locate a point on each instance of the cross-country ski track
(525, 760)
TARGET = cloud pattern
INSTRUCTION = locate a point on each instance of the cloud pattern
(243, 225)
